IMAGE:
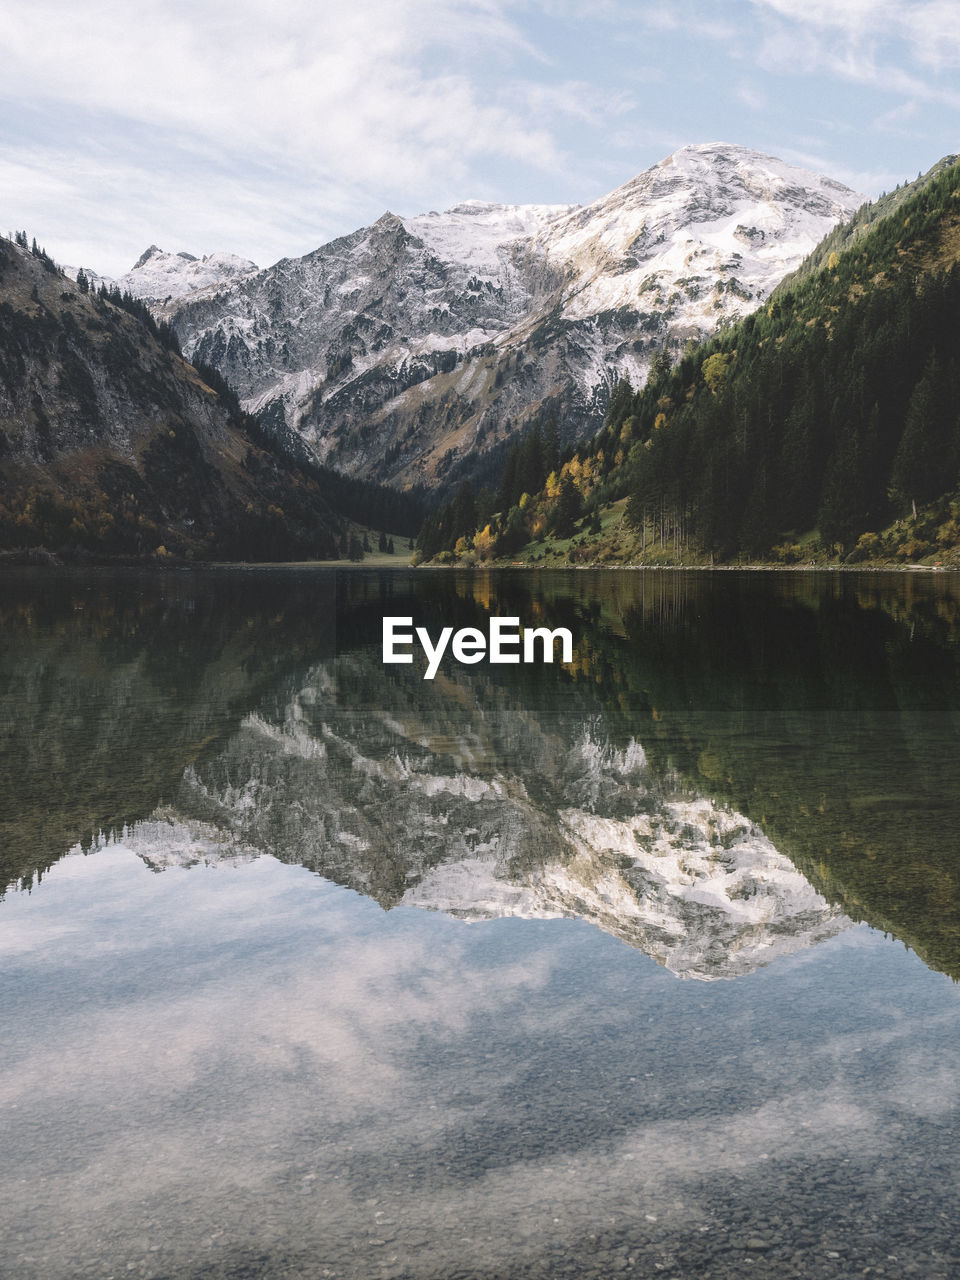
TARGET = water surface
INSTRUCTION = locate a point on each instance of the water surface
(644, 965)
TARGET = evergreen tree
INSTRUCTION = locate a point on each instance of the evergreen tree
(567, 511)
(530, 474)
(924, 454)
(620, 404)
(551, 446)
(462, 515)
(485, 506)
(509, 492)
(659, 369)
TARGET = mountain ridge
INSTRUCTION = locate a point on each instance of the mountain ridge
(113, 446)
(405, 347)
(821, 427)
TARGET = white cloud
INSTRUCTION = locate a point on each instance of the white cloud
(895, 120)
(365, 99)
(345, 87)
(853, 37)
(577, 100)
(751, 97)
(102, 212)
(930, 28)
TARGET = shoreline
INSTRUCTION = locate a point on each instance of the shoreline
(700, 568)
(45, 561)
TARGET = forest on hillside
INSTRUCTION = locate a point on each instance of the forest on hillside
(823, 418)
(113, 447)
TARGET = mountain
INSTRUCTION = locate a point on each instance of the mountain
(112, 445)
(160, 277)
(418, 346)
(823, 425)
(847, 233)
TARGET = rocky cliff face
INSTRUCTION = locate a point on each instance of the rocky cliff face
(411, 343)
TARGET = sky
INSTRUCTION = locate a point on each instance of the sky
(268, 128)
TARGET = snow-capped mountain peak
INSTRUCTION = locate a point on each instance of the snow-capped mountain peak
(158, 277)
(418, 340)
(705, 234)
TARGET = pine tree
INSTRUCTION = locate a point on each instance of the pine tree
(462, 517)
(924, 449)
(620, 404)
(568, 508)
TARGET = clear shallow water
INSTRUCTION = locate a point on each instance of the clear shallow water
(558, 973)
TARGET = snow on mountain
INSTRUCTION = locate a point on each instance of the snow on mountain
(162, 841)
(94, 280)
(159, 278)
(709, 220)
(410, 344)
(473, 233)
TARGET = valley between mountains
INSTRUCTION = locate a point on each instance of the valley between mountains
(727, 357)
(414, 344)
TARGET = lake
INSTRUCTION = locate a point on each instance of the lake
(645, 964)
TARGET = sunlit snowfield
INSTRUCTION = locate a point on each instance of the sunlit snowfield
(646, 965)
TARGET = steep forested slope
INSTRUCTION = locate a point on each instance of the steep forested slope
(834, 408)
(847, 233)
(815, 424)
(112, 445)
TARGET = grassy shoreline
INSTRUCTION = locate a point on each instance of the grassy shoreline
(38, 558)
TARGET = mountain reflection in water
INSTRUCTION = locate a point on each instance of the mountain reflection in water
(712, 731)
(261, 1062)
(519, 814)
